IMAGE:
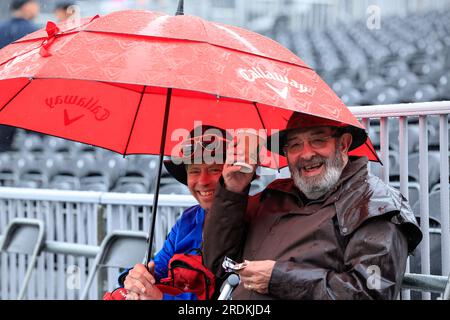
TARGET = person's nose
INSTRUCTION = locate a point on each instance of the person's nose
(204, 178)
(307, 152)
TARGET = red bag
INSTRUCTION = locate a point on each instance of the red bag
(118, 294)
(186, 274)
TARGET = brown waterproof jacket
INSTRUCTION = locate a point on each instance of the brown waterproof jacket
(352, 243)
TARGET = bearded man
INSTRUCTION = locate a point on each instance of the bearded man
(332, 231)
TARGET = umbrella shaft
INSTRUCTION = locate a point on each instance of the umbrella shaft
(148, 255)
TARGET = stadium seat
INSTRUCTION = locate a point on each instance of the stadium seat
(66, 175)
(24, 236)
(34, 175)
(124, 185)
(434, 203)
(418, 92)
(394, 69)
(380, 95)
(435, 258)
(426, 68)
(31, 141)
(413, 190)
(375, 168)
(441, 80)
(413, 138)
(404, 80)
(95, 180)
(352, 97)
(176, 188)
(135, 177)
(64, 181)
(119, 249)
(342, 85)
(433, 167)
(9, 175)
(116, 165)
(372, 83)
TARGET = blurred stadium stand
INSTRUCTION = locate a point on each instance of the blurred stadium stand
(407, 60)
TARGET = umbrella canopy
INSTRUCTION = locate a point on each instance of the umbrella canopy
(125, 80)
(106, 81)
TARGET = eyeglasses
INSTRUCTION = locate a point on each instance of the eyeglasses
(296, 146)
(209, 142)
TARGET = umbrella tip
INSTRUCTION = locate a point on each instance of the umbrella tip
(180, 9)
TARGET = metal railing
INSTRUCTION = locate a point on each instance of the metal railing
(422, 111)
(76, 222)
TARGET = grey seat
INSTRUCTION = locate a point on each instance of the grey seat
(375, 168)
(413, 138)
(434, 209)
(433, 167)
(435, 236)
(176, 188)
(129, 187)
(380, 95)
(34, 175)
(413, 190)
(119, 249)
(30, 142)
(404, 80)
(419, 92)
(435, 257)
(96, 180)
(24, 236)
(433, 136)
(67, 175)
(9, 176)
(351, 97)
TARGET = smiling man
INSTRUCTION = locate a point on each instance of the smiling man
(199, 166)
(332, 231)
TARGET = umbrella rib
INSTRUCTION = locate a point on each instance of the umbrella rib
(134, 120)
(264, 126)
(19, 55)
(9, 101)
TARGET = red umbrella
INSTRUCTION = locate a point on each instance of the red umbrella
(121, 81)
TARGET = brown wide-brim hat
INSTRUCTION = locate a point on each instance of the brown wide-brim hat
(277, 140)
(176, 166)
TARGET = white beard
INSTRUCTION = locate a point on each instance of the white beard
(315, 187)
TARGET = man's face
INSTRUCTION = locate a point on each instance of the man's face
(61, 15)
(316, 158)
(202, 180)
(30, 10)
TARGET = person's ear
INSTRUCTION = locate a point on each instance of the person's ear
(346, 142)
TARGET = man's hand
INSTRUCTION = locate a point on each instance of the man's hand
(235, 180)
(140, 283)
(256, 275)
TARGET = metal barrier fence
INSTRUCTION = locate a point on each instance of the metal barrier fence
(76, 217)
(84, 218)
(405, 113)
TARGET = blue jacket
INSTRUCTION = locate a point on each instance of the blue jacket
(14, 29)
(185, 236)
